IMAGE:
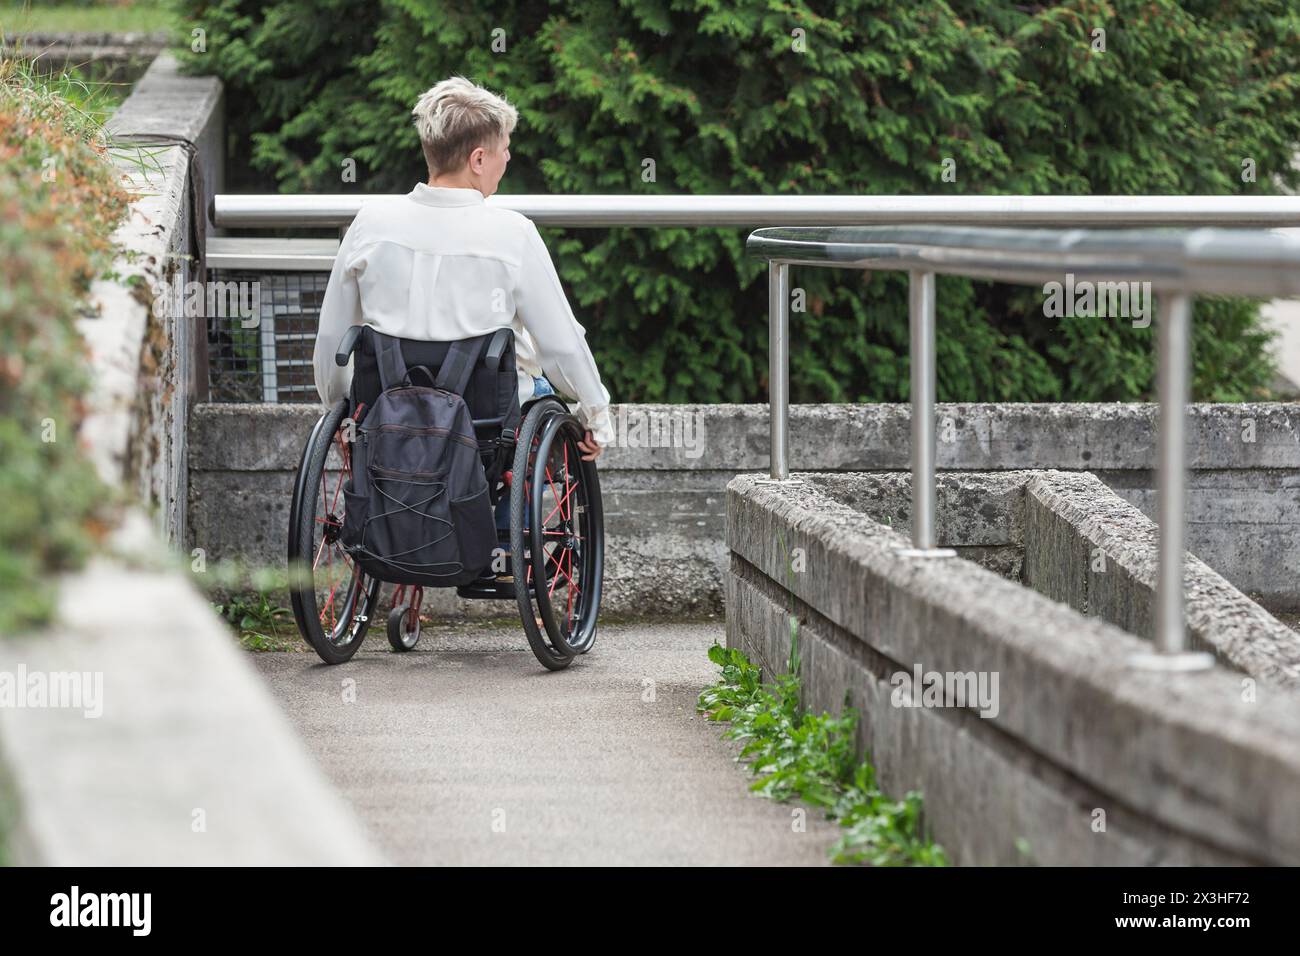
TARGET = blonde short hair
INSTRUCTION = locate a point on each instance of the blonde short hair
(455, 117)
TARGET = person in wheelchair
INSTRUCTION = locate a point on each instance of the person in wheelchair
(439, 265)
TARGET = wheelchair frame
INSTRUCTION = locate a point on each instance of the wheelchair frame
(553, 554)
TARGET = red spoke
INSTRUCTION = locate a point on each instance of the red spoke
(568, 610)
(559, 504)
(329, 601)
(347, 467)
(329, 604)
(331, 521)
(559, 566)
(550, 483)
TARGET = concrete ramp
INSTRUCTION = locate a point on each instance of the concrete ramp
(466, 752)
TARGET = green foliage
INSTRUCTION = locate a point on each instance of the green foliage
(718, 97)
(60, 200)
(799, 755)
(261, 623)
(95, 16)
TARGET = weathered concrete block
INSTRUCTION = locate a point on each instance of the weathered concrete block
(1080, 528)
(186, 725)
(1245, 501)
(651, 567)
(1190, 757)
(1056, 559)
(982, 797)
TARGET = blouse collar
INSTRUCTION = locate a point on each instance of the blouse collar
(446, 195)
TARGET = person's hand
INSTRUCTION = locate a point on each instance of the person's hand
(591, 447)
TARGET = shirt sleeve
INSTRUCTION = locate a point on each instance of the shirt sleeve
(562, 347)
(340, 310)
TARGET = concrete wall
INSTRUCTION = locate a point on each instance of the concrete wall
(1085, 760)
(665, 510)
(112, 57)
(1072, 539)
(152, 361)
(1087, 547)
(664, 516)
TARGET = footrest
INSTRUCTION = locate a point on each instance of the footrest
(488, 591)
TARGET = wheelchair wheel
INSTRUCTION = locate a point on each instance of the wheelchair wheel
(558, 559)
(404, 619)
(332, 598)
(403, 632)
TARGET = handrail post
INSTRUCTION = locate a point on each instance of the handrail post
(1173, 386)
(921, 312)
(778, 367)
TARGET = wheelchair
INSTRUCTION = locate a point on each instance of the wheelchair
(551, 560)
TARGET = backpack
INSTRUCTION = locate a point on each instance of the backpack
(417, 508)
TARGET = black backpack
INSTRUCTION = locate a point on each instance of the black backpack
(418, 509)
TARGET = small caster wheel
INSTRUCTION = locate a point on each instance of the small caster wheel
(403, 627)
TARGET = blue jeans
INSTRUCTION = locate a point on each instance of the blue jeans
(540, 387)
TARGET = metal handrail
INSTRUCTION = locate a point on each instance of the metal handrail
(228, 210)
(1222, 261)
(1178, 264)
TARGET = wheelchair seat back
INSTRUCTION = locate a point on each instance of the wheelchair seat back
(493, 389)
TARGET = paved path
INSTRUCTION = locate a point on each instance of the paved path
(466, 752)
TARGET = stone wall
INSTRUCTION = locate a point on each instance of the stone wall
(151, 359)
(1087, 547)
(664, 505)
(1072, 539)
(110, 57)
(1076, 758)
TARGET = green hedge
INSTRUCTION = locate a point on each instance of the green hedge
(883, 93)
(59, 202)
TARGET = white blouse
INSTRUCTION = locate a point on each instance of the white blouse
(440, 264)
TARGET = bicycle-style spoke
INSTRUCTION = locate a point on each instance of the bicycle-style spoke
(559, 567)
(339, 584)
(559, 501)
(561, 529)
(331, 605)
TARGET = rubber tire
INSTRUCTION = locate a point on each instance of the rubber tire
(397, 636)
(551, 432)
(537, 415)
(302, 526)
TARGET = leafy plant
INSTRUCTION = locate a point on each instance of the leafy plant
(810, 757)
(60, 201)
(722, 100)
(261, 623)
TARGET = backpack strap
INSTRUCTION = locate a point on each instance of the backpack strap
(388, 357)
(453, 375)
